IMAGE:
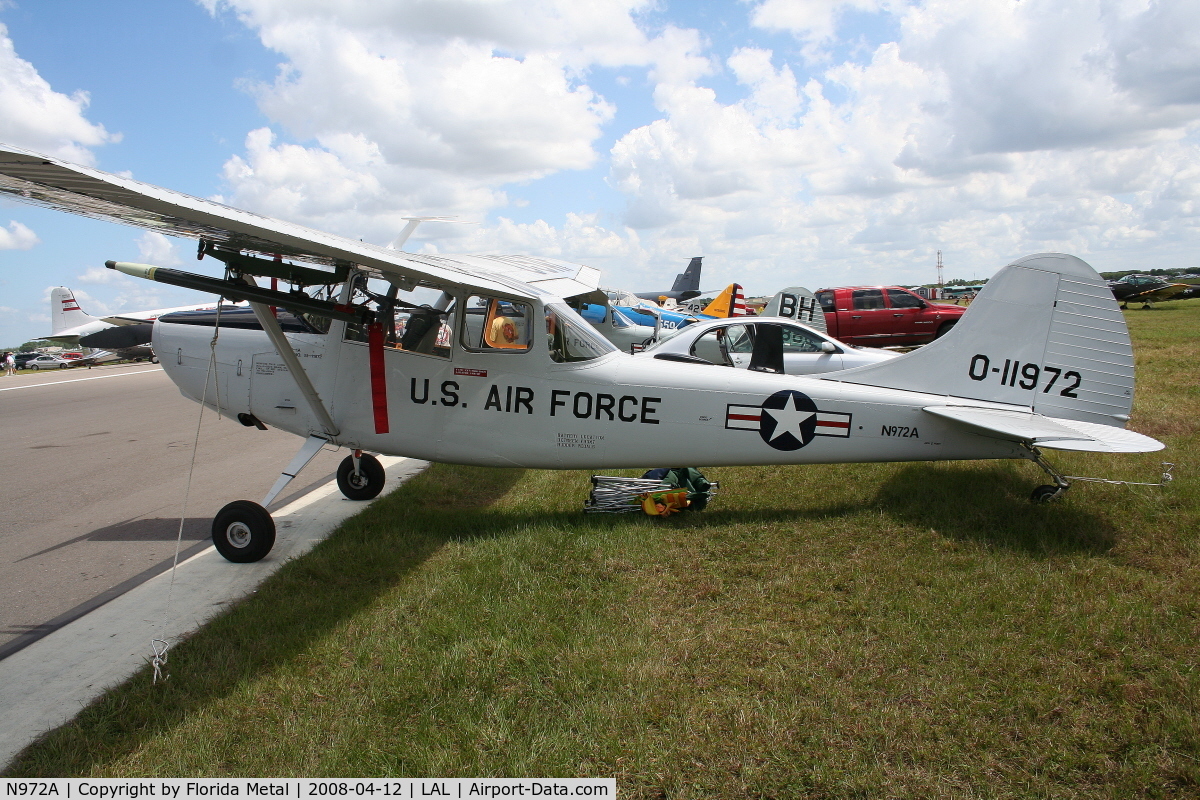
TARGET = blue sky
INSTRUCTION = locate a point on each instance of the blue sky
(816, 143)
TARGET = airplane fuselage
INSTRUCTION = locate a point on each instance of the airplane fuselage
(523, 409)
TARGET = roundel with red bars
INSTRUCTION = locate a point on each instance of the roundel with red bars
(788, 420)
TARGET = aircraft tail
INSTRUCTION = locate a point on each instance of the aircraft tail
(65, 312)
(1045, 333)
(729, 303)
(689, 279)
(798, 303)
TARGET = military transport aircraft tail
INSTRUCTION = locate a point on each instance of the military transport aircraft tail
(689, 279)
(1045, 333)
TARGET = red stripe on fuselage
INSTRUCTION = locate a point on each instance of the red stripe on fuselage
(378, 381)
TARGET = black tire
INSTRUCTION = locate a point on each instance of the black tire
(1046, 493)
(33, 367)
(946, 328)
(243, 532)
(367, 484)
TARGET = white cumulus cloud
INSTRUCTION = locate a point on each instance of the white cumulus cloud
(156, 249)
(17, 237)
(987, 129)
(34, 116)
(410, 107)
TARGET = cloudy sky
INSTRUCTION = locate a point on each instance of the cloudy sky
(817, 142)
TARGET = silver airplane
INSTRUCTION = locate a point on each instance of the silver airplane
(479, 359)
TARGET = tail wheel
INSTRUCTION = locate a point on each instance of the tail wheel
(365, 484)
(243, 532)
(1046, 493)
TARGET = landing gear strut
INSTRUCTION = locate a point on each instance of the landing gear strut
(1047, 492)
(360, 476)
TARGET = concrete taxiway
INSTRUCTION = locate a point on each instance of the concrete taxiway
(93, 470)
(46, 683)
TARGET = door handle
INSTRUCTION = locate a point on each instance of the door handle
(897, 315)
(856, 316)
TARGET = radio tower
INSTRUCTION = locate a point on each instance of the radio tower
(940, 282)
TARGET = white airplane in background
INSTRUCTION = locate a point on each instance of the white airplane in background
(479, 359)
(124, 335)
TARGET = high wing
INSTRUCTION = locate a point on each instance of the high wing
(34, 178)
(1042, 431)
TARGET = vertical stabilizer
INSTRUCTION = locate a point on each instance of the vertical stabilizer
(729, 303)
(65, 312)
(689, 279)
(798, 303)
(1045, 332)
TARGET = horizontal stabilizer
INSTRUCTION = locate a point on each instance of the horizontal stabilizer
(1049, 432)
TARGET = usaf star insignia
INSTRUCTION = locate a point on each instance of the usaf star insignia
(787, 420)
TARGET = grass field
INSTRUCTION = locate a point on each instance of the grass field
(886, 630)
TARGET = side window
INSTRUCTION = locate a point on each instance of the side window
(902, 299)
(826, 300)
(798, 340)
(619, 320)
(867, 299)
(570, 339)
(419, 320)
(492, 323)
(712, 347)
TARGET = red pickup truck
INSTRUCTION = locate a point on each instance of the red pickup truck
(879, 316)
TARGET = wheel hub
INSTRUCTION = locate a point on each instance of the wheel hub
(238, 534)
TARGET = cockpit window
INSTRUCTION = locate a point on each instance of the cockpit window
(571, 339)
(494, 324)
(419, 320)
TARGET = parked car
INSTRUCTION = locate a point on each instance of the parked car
(881, 316)
(23, 358)
(43, 361)
(769, 344)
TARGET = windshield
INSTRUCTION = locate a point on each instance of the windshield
(570, 338)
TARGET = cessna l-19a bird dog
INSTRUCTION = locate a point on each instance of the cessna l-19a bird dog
(480, 360)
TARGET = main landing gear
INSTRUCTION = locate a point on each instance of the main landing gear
(243, 531)
(360, 476)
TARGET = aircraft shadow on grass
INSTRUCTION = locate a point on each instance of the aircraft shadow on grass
(379, 548)
(971, 503)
